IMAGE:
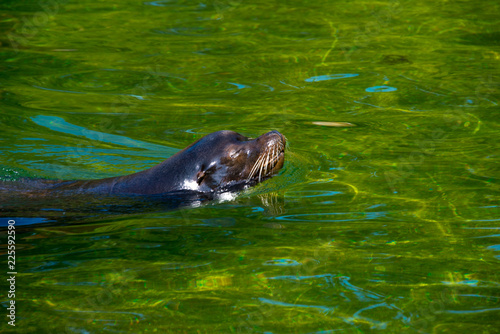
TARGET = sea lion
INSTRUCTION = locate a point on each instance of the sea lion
(220, 161)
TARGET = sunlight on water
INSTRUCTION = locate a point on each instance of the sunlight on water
(385, 217)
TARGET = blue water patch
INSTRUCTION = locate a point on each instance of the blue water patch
(25, 220)
(159, 3)
(494, 309)
(324, 309)
(361, 294)
(331, 77)
(494, 247)
(43, 139)
(240, 86)
(299, 278)
(380, 89)
(329, 217)
(52, 265)
(59, 124)
(467, 282)
(281, 262)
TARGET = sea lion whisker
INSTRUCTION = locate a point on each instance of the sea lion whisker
(263, 166)
(267, 162)
(270, 160)
(260, 172)
(271, 156)
(275, 156)
(255, 167)
(254, 170)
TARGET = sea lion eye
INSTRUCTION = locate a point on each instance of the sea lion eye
(234, 154)
(204, 172)
(200, 176)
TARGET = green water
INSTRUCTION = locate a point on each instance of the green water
(388, 226)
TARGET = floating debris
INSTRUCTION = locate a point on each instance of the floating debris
(335, 124)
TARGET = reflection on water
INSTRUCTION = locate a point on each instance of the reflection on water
(390, 225)
(59, 124)
(330, 77)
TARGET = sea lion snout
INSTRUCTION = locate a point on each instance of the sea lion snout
(270, 156)
(274, 138)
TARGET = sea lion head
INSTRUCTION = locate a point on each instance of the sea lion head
(227, 160)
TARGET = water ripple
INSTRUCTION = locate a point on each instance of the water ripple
(331, 77)
(380, 89)
(324, 309)
(281, 262)
(112, 82)
(328, 216)
(187, 31)
(188, 5)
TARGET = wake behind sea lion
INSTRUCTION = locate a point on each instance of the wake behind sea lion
(219, 162)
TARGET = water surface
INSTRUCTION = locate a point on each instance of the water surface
(391, 225)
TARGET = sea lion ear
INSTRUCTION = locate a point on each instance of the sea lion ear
(243, 138)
